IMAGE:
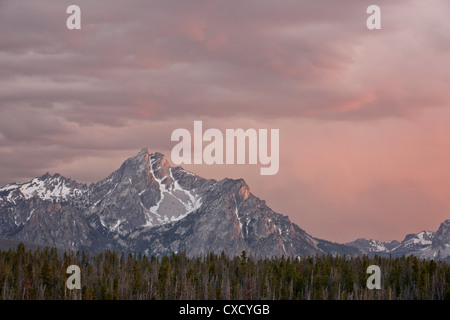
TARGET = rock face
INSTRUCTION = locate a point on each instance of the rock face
(143, 192)
(150, 207)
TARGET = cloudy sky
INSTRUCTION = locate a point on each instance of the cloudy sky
(364, 116)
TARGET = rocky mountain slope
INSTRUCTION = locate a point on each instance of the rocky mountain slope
(148, 206)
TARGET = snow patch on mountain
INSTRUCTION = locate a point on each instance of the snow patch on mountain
(175, 201)
(48, 188)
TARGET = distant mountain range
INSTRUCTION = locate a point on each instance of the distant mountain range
(150, 207)
(425, 244)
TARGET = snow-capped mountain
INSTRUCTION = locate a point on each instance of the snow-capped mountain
(148, 206)
(415, 243)
(425, 244)
(144, 192)
(369, 246)
(55, 188)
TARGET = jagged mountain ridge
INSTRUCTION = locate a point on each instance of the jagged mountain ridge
(425, 244)
(370, 246)
(150, 207)
(143, 192)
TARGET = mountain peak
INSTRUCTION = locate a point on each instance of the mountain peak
(49, 176)
(158, 156)
(47, 187)
(446, 222)
(142, 154)
(45, 176)
(444, 229)
(144, 166)
(145, 156)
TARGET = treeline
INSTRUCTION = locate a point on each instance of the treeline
(41, 274)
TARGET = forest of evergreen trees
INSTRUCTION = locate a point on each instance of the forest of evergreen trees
(41, 274)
